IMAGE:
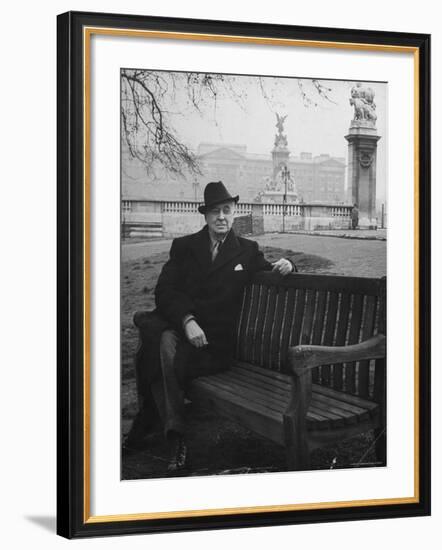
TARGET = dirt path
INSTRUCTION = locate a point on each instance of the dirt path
(361, 258)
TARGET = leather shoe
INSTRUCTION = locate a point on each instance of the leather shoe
(141, 432)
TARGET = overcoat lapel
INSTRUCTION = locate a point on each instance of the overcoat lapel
(228, 250)
(200, 245)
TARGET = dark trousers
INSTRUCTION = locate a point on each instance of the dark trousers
(180, 363)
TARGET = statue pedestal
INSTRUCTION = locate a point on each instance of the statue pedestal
(280, 157)
(362, 148)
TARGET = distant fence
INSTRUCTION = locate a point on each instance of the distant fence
(173, 218)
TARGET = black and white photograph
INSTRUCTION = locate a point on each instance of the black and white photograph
(253, 271)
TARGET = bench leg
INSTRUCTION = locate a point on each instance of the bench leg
(381, 445)
(296, 443)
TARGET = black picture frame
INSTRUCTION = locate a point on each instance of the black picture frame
(73, 518)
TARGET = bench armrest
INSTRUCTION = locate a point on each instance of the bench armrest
(303, 358)
(142, 318)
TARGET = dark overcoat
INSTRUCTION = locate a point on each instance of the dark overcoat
(190, 283)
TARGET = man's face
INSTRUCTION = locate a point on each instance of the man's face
(220, 218)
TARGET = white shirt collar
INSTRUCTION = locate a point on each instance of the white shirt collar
(213, 241)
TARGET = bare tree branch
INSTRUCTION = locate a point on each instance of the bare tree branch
(148, 122)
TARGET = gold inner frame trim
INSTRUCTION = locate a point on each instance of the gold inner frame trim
(87, 33)
(246, 39)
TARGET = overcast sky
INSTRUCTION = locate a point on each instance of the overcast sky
(318, 127)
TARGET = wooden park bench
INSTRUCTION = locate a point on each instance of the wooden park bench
(309, 367)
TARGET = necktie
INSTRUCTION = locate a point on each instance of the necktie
(215, 250)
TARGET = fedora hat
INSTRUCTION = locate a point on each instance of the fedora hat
(214, 193)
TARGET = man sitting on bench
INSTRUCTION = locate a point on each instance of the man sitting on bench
(198, 295)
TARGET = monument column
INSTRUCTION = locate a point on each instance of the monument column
(280, 151)
(280, 188)
(362, 148)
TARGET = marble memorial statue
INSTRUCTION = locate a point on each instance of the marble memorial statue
(362, 99)
(280, 137)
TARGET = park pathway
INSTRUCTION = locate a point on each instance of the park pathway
(357, 257)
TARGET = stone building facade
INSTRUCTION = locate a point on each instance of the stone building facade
(317, 178)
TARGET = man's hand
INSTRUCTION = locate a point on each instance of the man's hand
(195, 334)
(283, 266)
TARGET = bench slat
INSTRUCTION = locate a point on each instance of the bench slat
(346, 398)
(353, 338)
(286, 328)
(232, 393)
(251, 333)
(240, 387)
(282, 382)
(315, 421)
(266, 336)
(273, 375)
(262, 421)
(324, 423)
(348, 409)
(307, 322)
(318, 326)
(330, 326)
(240, 328)
(341, 334)
(331, 418)
(260, 320)
(367, 331)
(330, 405)
(259, 381)
(275, 338)
(297, 319)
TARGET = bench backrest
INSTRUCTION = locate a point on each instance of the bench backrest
(278, 312)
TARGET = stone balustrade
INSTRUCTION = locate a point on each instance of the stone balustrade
(180, 206)
(182, 217)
